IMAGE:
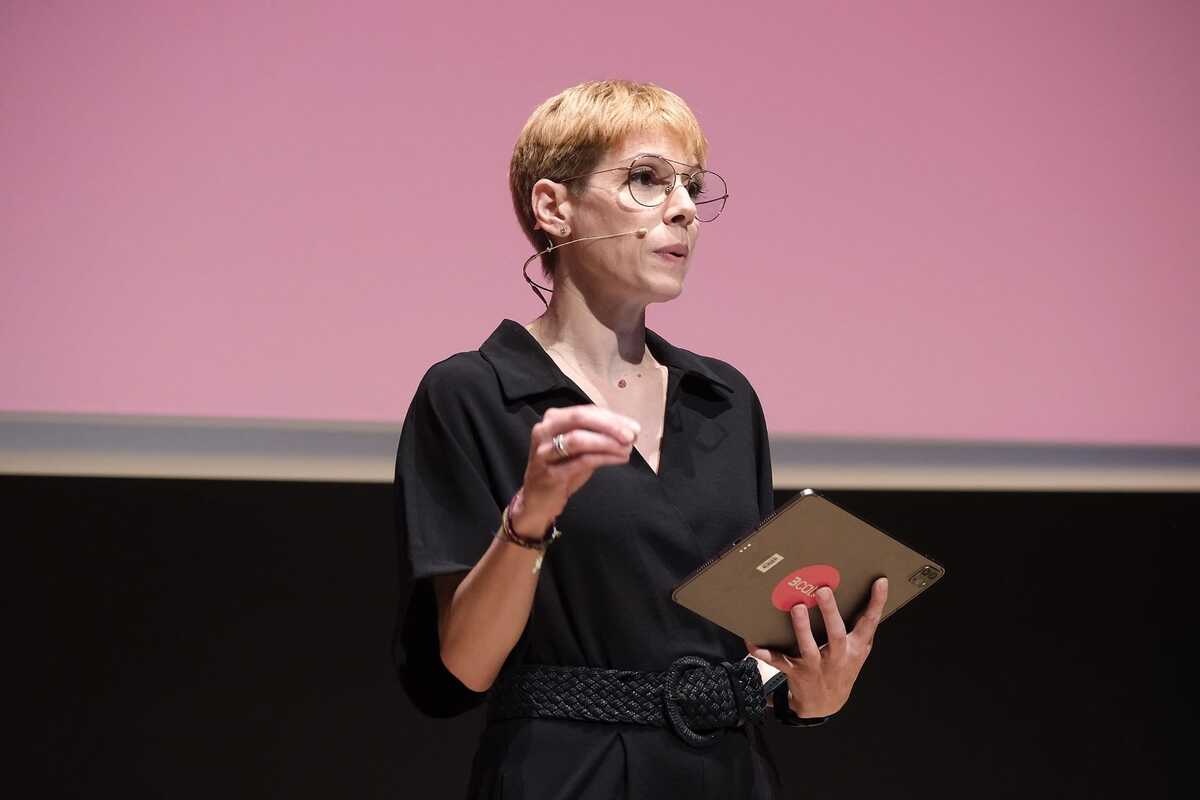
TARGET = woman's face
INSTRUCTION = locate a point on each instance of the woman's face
(627, 269)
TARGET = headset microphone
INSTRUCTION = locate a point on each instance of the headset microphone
(638, 232)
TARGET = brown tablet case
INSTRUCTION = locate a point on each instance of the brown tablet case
(807, 543)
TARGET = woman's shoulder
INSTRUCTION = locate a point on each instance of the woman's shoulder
(460, 384)
(453, 373)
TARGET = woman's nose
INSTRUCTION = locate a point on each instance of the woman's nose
(680, 207)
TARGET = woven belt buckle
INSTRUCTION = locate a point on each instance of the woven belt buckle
(674, 713)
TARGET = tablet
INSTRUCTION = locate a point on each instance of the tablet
(809, 542)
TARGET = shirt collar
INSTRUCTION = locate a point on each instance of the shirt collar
(524, 368)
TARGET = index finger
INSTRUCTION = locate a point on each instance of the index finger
(865, 627)
(591, 417)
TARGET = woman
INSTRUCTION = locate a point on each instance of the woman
(609, 464)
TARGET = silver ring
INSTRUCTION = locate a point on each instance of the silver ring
(561, 446)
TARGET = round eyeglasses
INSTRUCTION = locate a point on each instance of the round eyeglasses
(652, 178)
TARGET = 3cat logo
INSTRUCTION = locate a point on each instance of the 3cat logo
(801, 586)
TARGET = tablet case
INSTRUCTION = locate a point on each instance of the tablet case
(807, 543)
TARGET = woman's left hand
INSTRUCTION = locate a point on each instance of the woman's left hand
(820, 681)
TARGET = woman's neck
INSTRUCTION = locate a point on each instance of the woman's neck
(606, 348)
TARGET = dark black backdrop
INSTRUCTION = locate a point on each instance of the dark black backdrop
(176, 638)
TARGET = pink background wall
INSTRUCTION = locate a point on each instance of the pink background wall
(949, 219)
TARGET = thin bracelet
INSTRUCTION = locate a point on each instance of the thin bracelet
(506, 532)
(784, 713)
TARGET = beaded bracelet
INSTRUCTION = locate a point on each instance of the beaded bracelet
(506, 532)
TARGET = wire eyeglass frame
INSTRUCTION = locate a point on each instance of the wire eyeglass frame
(687, 179)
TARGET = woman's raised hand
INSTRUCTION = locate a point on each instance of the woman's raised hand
(593, 436)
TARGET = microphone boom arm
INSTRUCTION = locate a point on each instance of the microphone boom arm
(639, 232)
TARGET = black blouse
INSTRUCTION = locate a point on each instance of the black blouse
(603, 598)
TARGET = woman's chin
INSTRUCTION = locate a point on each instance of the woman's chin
(665, 289)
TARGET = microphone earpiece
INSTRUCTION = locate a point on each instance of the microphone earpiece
(640, 233)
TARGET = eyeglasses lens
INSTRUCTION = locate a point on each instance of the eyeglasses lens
(651, 178)
(708, 193)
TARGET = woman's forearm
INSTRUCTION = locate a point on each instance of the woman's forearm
(480, 620)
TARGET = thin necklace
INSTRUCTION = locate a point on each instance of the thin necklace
(621, 382)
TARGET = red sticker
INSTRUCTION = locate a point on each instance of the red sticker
(801, 586)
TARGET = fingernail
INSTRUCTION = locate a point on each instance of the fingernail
(627, 435)
(827, 592)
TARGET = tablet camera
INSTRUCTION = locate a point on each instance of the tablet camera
(925, 576)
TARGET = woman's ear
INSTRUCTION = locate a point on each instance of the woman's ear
(551, 208)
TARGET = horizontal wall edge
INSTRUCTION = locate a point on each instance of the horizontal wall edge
(301, 450)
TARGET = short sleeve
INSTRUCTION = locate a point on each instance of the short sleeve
(445, 509)
(762, 455)
(446, 515)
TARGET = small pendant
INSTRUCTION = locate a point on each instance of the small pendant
(621, 383)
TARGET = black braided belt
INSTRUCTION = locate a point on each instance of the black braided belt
(693, 695)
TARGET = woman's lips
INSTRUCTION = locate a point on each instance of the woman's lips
(673, 253)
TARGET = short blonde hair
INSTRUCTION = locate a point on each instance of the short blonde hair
(568, 135)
